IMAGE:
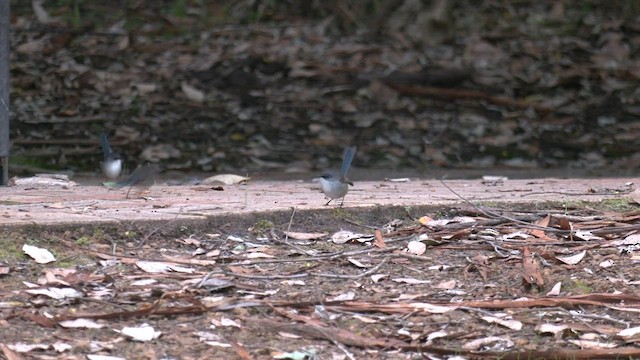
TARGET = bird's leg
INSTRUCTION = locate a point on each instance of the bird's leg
(130, 187)
(327, 204)
(342, 202)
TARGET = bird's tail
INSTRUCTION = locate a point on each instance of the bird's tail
(347, 157)
(106, 148)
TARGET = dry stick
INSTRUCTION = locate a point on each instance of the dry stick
(158, 228)
(359, 276)
(496, 215)
(594, 316)
(468, 94)
(577, 316)
(265, 277)
(315, 258)
(361, 225)
(601, 231)
(336, 343)
(286, 237)
(305, 274)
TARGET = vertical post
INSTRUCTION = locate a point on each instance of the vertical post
(5, 22)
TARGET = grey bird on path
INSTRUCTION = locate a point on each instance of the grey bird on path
(112, 163)
(142, 177)
(336, 185)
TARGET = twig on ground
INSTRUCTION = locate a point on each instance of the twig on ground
(359, 276)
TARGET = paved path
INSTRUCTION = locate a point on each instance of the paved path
(23, 205)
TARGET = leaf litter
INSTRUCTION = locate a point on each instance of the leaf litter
(477, 295)
(525, 86)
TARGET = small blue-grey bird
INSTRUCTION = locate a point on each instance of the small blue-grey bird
(143, 177)
(112, 163)
(336, 185)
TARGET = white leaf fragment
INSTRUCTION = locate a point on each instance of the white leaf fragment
(344, 297)
(590, 344)
(446, 285)
(162, 267)
(56, 293)
(344, 236)
(225, 179)
(630, 332)
(304, 236)
(293, 282)
(607, 263)
(81, 323)
(141, 333)
(572, 259)
(511, 324)
(551, 328)
(104, 357)
(416, 247)
(632, 239)
(23, 347)
(432, 309)
(192, 93)
(357, 263)
(555, 291)
(228, 322)
(411, 281)
(493, 343)
(586, 235)
(40, 255)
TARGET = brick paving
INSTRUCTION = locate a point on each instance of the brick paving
(50, 205)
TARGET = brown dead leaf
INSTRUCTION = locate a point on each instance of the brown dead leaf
(531, 268)
(480, 263)
(9, 354)
(379, 240)
(240, 350)
(539, 233)
(40, 320)
(565, 224)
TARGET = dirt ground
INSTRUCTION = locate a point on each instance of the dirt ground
(466, 280)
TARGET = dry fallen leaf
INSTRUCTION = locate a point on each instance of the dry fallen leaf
(508, 323)
(379, 240)
(572, 259)
(41, 256)
(226, 179)
(357, 263)
(629, 332)
(489, 342)
(531, 268)
(44, 180)
(556, 330)
(416, 247)
(446, 285)
(539, 233)
(304, 236)
(192, 93)
(555, 291)
(81, 323)
(162, 267)
(141, 333)
(411, 281)
(344, 236)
